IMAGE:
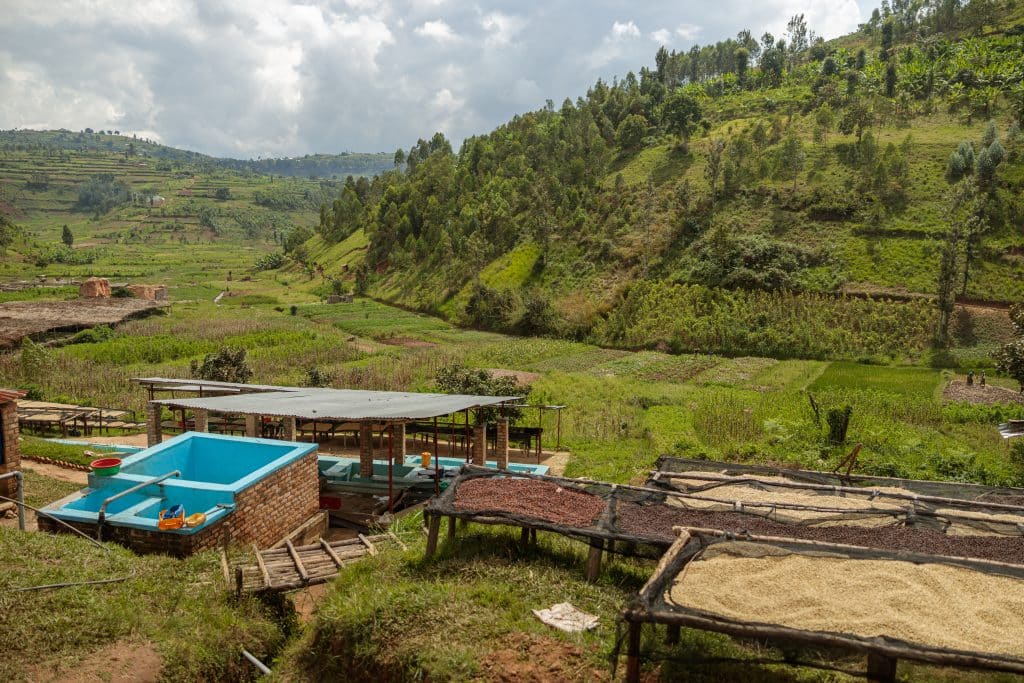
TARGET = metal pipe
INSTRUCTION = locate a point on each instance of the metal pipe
(103, 506)
(263, 668)
(21, 495)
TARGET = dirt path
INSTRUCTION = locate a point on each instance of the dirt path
(137, 440)
(120, 662)
(961, 392)
(56, 472)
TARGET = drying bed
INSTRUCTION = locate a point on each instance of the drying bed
(946, 489)
(639, 520)
(658, 520)
(889, 605)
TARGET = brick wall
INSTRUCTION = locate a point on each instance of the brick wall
(264, 514)
(12, 456)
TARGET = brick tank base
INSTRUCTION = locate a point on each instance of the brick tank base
(264, 514)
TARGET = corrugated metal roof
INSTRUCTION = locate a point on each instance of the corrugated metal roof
(194, 385)
(341, 404)
(8, 395)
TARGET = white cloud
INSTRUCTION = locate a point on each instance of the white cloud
(500, 28)
(436, 30)
(624, 30)
(662, 36)
(688, 31)
(286, 77)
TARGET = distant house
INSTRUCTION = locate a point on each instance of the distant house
(156, 200)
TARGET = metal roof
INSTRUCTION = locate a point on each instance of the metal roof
(340, 404)
(196, 385)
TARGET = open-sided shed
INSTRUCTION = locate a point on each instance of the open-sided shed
(353, 409)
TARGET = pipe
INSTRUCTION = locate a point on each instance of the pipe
(103, 507)
(21, 495)
(59, 521)
(263, 668)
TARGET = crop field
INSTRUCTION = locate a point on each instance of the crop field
(625, 408)
(194, 235)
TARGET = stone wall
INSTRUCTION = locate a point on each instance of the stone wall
(264, 513)
(11, 456)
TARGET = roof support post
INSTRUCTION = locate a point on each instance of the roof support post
(480, 443)
(501, 443)
(202, 419)
(252, 424)
(365, 449)
(154, 431)
(398, 436)
(289, 428)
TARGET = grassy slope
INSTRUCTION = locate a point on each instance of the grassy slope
(167, 244)
(625, 410)
(182, 607)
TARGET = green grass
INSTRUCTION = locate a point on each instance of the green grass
(920, 382)
(42, 448)
(181, 606)
(40, 489)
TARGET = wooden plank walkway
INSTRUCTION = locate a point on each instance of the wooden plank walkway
(292, 567)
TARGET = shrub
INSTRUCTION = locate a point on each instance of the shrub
(227, 365)
(270, 261)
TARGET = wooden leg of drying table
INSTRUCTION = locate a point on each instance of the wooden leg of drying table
(451, 528)
(594, 560)
(633, 654)
(533, 536)
(433, 529)
(881, 668)
(672, 634)
(524, 538)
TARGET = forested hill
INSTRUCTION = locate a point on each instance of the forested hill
(722, 197)
(310, 165)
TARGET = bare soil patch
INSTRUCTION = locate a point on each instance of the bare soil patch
(961, 392)
(20, 319)
(120, 662)
(521, 376)
(535, 658)
(408, 343)
(57, 472)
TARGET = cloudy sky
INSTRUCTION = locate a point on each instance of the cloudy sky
(246, 78)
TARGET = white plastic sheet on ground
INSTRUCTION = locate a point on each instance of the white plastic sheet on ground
(565, 617)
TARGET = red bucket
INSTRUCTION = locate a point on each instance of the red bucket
(106, 467)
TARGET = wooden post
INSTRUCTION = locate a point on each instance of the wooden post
(238, 581)
(451, 528)
(672, 634)
(524, 538)
(633, 653)
(433, 528)
(594, 560)
(881, 668)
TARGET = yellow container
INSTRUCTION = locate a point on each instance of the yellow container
(425, 459)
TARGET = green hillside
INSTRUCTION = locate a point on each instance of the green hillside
(310, 165)
(143, 218)
(784, 196)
